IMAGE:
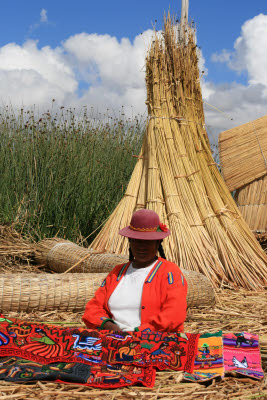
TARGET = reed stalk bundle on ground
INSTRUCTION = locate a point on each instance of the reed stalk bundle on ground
(176, 176)
(243, 153)
(63, 256)
(71, 292)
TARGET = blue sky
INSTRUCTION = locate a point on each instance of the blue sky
(218, 22)
(59, 25)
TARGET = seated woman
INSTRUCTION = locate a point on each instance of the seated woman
(148, 291)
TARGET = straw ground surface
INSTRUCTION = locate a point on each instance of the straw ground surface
(239, 310)
(235, 310)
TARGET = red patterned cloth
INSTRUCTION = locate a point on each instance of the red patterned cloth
(113, 359)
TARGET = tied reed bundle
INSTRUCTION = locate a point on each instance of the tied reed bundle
(176, 176)
(243, 153)
(60, 255)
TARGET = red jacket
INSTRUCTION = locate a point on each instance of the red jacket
(163, 305)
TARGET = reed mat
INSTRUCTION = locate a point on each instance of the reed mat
(251, 200)
(243, 153)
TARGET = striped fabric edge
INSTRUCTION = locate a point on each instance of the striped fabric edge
(121, 271)
(154, 271)
(103, 283)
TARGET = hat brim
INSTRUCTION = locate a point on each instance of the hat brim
(131, 234)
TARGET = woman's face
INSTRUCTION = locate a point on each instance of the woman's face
(144, 250)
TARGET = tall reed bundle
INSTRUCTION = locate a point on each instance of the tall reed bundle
(176, 176)
(60, 255)
(243, 153)
(252, 202)
(71, 292)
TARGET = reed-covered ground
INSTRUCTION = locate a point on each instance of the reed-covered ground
(63, 173)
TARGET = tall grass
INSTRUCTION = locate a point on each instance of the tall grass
(63, 174)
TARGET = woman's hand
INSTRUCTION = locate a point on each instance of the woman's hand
(110, 326)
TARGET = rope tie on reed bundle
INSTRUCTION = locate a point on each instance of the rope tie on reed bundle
(194, 225)
(220, 212)
(177, 118)
(186, 176)
(155, 201)
(214, 163)
(181, 120)
(175, 214)
(225, 210)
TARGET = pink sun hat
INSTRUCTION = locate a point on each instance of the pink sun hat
(145, 225)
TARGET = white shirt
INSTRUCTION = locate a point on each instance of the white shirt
(125, 302)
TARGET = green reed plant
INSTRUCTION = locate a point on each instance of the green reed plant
(62, 173)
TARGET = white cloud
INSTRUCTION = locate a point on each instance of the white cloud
(114, 69)
(43, 15)
(34, 76)
(104, 72)
(249, 50)
(223, 56)
(242, 102)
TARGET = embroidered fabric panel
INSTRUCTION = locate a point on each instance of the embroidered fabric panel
(16, 369)
(103, 351)
(209, 359)
(30, 351)
(163, 350)
(242, 354)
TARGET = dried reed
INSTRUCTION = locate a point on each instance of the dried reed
(176, 176)
(13, 245)
(252, 202)
(243, 153)
(61, 255)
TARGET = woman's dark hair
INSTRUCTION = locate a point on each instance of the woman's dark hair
(160, 250)
(131, 257)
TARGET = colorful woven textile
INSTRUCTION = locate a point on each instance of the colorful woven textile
(110, 359)
(16, 369)
(158, 349)
(209, 359)
(242, 354)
